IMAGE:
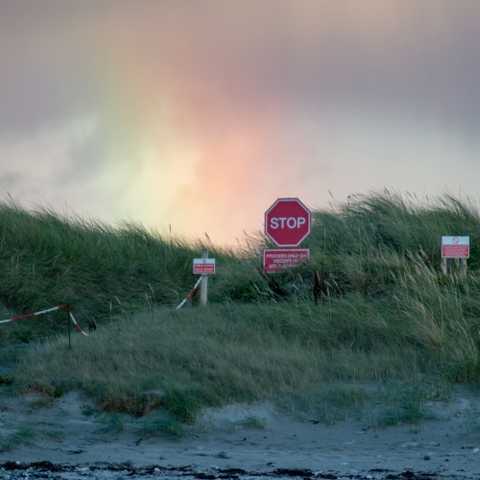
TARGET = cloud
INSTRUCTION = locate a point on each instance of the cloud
(254, 99)
(395, 54)
(46, 168)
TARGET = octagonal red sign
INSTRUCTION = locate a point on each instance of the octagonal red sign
(287, 222)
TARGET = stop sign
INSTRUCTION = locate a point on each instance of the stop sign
(287, 222)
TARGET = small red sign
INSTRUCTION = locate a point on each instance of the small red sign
(287, 222)
(203, 266)
(277, 260)
(455, 247)
(455, 251)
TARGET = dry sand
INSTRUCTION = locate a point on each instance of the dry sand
(255, 438)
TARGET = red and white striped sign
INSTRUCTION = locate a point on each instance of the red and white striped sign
(455, 247)
(203, 266)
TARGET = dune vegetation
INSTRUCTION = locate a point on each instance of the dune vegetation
(385, 314)
(101, 271)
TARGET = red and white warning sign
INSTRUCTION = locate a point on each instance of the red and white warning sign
(455, 247)
(203, 266)
(279, 259)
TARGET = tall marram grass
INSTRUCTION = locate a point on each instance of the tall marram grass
(102, 271)
(386, 311)
(183, 361)
(358, 247)
(363, 245)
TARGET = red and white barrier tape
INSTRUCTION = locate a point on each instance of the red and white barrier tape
(34, 314)
(190, 294)
(25, 316)
(76, 325)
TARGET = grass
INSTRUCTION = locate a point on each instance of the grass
(183, 361)
(103, 272)
(22, 436)
(358, 247)
(158, 426)
(110, 423)
(42, 402)
(386, 313)
(27, 435)
(398, 404)
(253, 423)
(327, 404)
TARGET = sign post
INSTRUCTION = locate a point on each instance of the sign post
(455, 248)
(204, 267)
(204, 285)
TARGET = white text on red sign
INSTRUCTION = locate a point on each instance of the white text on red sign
(277, 260)
(204, 266)
(455, 247)
(287, 222)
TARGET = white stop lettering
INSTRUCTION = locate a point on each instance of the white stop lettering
(287, 222)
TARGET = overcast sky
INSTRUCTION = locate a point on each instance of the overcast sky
(198, 114)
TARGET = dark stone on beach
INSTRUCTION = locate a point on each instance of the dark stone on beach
(9, 466)
(205, 476)
(293, 472)
(47, 466)
(75, 451)
(408, 474)
(233, 471)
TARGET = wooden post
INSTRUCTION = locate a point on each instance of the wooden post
(317, 286)
(460, 266)
(445, 266)
(204, 285)
(463, 267)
